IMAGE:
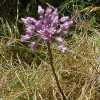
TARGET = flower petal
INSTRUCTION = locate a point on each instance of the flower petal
(62, 48)
(24, 38)
(65, 18)
(28, 20)
(59, 39)
(40, 10)
(32, 45)
(48, 10)
(66, 25)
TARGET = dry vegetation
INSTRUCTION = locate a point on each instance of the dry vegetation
(24, 77)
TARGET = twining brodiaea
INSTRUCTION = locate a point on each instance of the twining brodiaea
(48, 26)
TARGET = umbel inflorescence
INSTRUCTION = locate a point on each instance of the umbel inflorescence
(48, 26)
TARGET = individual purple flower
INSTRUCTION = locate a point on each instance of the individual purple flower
(47, 26)
(40, 10)
(24, 38)
(48, 10)
(59, 40)
(64, 19)
(61, 46)
(32, 45)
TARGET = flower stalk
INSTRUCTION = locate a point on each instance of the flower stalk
(53, 70)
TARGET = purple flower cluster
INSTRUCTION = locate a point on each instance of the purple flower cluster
(48, 26)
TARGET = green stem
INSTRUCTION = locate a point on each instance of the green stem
(53, 70)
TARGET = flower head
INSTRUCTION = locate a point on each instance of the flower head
(47, 26)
